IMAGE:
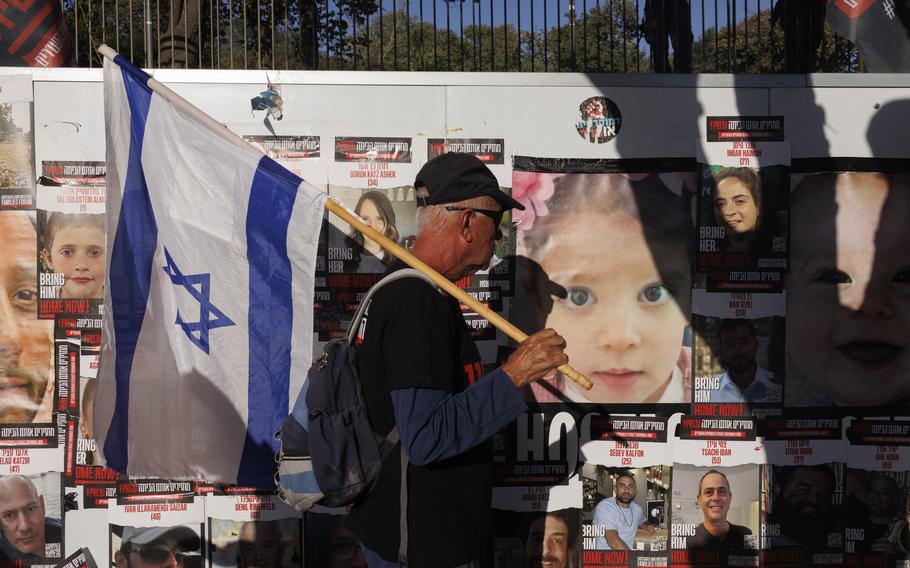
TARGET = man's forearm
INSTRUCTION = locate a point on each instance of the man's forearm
(435, 425)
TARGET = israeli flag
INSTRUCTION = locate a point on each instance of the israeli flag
(207, 328)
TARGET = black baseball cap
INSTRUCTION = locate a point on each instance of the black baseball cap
(452, 177)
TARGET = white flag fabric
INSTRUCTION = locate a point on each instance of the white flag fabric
(207, 327)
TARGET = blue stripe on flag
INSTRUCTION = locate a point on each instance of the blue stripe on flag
(132, 256)
(128, 69)
(270, 318)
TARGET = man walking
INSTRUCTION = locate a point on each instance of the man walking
(421, 370)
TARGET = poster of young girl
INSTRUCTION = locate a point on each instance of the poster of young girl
(604, 256)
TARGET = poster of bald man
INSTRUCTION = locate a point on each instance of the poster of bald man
(31, 528)
(715, 515)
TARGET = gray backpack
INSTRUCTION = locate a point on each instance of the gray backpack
(329, 453)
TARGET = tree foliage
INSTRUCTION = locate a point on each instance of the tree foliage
(757, 46)
(8, 127)
(358, 34)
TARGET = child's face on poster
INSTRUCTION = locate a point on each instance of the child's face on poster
(78, 253)
(849, 319)
(622, 324)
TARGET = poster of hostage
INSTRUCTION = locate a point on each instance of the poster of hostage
(31, 520)
(538, 538)
(17, 144)
(83, 454)
(716, 492)
(803, 491)
(626, 516)
(604, 256)
(743, 203)
(29, 396)
(877, 488)
(248, 527)
(739, 352)
(70, 222)
(373, 177)
(848, 313)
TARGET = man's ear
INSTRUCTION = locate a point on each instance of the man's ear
(465, 225)
(119, 559)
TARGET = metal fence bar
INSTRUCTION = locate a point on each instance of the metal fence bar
(461, 32)
(637, 42)
(518, 30)
(746, 30)
(533, 24)
(758, 15)
(545, 38)
(492, 41)
(505, 36)
(731, 17)
(407, 27)
(558, 35)
(435, 40)
(395, 35)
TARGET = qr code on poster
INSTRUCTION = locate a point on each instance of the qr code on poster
(52, 550)
(750, 542)
(659, 543)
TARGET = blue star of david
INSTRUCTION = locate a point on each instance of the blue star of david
(210, 317)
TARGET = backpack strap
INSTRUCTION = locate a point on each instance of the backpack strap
(403, 510)
(388, 445)
(365, 303)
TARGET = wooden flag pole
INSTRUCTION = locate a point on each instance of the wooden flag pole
(393, 248)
